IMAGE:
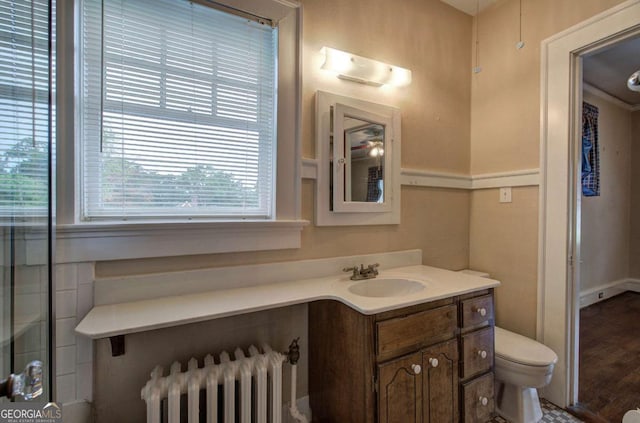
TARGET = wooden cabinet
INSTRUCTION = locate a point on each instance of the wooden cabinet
(400, 385)
(401, 366)
(440, 383)
(477, 358)
(478, 402)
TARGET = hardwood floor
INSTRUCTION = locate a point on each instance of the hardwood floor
(610, 357)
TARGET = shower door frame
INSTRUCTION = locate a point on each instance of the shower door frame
(36, 245)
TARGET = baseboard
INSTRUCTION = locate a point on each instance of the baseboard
(633, 285)
(77, 412)
(303, 406)
(606, 291)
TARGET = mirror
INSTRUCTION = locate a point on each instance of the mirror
(359, 142)
(358, 151)
(364, 142)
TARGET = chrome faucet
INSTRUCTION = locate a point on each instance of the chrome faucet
(370, 272)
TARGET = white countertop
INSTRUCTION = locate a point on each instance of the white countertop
(137, 316)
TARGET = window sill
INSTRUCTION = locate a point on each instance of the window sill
(99, 241)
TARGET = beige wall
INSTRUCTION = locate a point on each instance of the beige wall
(505, 133)
(634, 248)
(504, 238)
(505, 102)
(606, 218)
(426, 36)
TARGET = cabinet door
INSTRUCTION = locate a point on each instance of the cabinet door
(440, 383)
(400, 390)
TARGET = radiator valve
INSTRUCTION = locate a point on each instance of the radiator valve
(294, 351)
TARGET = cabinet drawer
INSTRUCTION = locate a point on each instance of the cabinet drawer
(478, 399)
(476, 311)
(477, 352)
(408, 333)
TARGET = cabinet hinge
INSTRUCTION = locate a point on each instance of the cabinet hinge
(375, 384)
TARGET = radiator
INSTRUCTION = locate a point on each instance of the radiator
(245, 389)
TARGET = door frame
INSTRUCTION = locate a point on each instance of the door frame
(559, 209)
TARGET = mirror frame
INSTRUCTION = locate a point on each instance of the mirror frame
(356, 213)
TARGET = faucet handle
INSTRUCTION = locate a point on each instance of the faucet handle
(353, 269)
(373, 268)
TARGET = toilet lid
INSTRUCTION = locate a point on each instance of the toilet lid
(520, 349)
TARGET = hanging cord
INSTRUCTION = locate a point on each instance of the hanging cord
(477, 68)
(520, 43)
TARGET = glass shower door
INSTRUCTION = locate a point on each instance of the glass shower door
(25, 199)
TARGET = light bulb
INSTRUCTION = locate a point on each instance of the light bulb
(633, 83)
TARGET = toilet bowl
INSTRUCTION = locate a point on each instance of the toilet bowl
(522, 366)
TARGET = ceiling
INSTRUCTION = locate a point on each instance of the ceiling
(609, 69)
(469, 6)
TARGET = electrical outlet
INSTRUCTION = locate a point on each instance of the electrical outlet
(600, 295)
(505, 195)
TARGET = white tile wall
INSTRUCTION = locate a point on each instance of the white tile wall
(84, 273)
(66, 388)
(66, 303)
(66, 277)
(84, 381)
(84, 346)
(74, 354)
(28, 279)
(30, 340)
(65, 334)
(66, 360)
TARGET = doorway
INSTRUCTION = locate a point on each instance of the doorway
(561, 124)
(608, 217)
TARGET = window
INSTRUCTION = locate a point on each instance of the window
(177, 113)
(24, 107)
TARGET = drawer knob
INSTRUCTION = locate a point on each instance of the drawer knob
(433, 362)
(482, 311)
(482, 354)
(483, 401)
(416, 368)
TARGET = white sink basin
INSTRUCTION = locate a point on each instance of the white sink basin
(386, 287)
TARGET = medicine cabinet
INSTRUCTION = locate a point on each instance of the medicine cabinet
(358, 152)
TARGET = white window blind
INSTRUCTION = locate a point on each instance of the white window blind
(24, 107)
(178, 112)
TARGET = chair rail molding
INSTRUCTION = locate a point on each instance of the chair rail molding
(439, 179)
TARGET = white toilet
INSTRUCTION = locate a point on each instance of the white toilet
(522, 366)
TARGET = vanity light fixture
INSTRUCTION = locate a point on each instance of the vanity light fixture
(633, 83)
(363, 70)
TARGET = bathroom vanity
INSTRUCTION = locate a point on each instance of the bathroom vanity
(430, 362)
(415, 343)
